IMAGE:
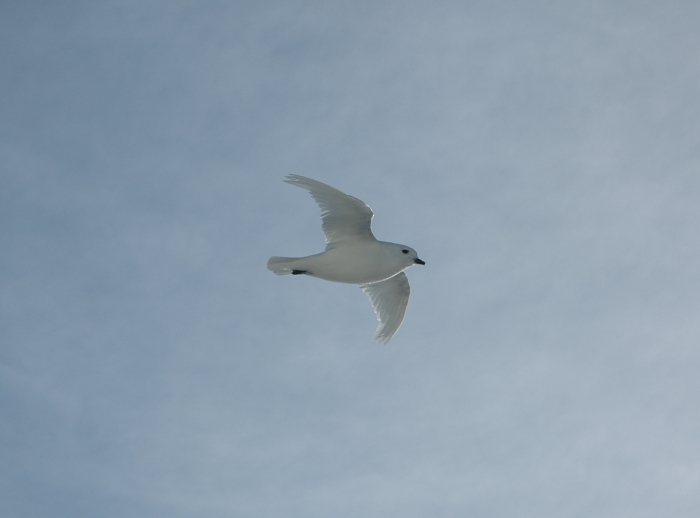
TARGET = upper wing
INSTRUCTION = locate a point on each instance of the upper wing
(345, 218)
(389, 298)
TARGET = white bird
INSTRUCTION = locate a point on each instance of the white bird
(354, 256)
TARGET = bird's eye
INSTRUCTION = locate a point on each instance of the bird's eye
(405, 251)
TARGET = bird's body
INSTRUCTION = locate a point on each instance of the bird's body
(361, 263)
(354, 256)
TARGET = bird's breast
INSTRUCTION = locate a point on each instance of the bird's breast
(354, 265)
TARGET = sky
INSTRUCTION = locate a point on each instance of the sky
(542, 157)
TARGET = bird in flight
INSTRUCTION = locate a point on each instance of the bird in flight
(354, 256)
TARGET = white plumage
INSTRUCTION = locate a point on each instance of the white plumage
(354, 256)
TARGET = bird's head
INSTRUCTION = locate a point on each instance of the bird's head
(408, 255)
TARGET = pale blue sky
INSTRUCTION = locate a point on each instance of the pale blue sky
(542, 157)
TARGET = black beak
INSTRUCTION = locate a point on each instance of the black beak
(418, 261)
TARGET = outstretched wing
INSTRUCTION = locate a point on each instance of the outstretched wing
(389, 299)
(345, 218)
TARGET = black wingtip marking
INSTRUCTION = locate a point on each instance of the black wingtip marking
(298, 272)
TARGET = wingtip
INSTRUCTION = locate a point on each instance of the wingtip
(300, 181)
(381, 338)
(294, 178)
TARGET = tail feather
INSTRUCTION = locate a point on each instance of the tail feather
(281, 265)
